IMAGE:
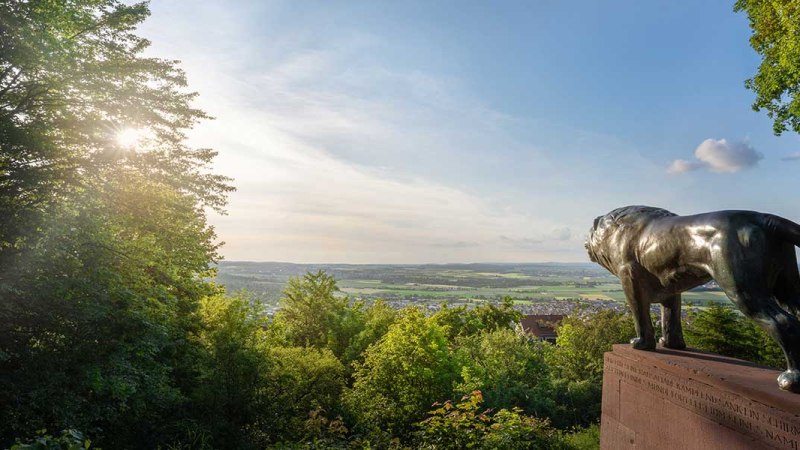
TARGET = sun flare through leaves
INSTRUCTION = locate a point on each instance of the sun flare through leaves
(129, 137)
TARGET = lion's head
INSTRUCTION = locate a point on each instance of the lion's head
(627, 217)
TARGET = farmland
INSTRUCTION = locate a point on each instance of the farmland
(533, 285)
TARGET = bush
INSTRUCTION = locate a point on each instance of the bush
(721, 329)
(466, 425)
(509, 369)
(68, 440)
(402, 374)
(582, 340)
(584, 438)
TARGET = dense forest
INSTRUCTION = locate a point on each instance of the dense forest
(113, 333)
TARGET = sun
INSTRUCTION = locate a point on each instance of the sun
(128, 137)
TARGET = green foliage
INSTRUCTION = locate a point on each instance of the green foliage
(508, 368)
(577, 403)
(104, 250)
(375, 322)
(230, 387)
(721, 329)
(68, 440)
(776, 37)
(301, 380)
(463, 321)
(402, 374)
(94, 322)
(324, 433)
(582, 341)
(108, 321)
(313, 315)
(72, 75)
(251, 393)
(577, 363)
(515, 431)
(465, 425)
(584, 438)
(310, 309)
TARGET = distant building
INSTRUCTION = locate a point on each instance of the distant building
(540, 326)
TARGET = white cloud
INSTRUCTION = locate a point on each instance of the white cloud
(682, 166)
(719, 156)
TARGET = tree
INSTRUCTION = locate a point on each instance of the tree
(302, 381)
(104, 248)
(71, 78)
(249, 393)
(576, 362)
(93, 328)
(582, 340)
(311, 314)
(508, 369)
(377, 318)
(462, 321)
(230, 390)
(776, 37)
(721, 329)
(401, 376)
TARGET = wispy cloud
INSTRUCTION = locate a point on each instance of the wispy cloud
(457, 244)
(538, 240)
(521, 242)
(719, 156)
(311, 189)
(339, 156)
(683, 166)
(562, 234)
(791, 157)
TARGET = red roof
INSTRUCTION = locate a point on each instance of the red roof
(541, 325)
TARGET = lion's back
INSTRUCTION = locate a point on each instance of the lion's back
(669, 242)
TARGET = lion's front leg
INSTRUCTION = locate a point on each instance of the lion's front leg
(672, 331)
(639, 296)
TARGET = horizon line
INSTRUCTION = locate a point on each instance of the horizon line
(399, 264)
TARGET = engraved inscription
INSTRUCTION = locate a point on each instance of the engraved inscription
(779, 429)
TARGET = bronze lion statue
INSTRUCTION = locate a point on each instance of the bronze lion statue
(657, 255)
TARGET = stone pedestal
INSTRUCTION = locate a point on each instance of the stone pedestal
(684, 400)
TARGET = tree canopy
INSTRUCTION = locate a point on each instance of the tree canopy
(72, 78)
(721, 329)
(776, 37)
(105, 251)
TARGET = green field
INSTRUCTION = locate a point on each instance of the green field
(455, 283)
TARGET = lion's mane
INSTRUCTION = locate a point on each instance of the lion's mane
(631, 217)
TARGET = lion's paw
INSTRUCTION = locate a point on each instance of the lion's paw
(790, 381)
(643, 344)
(677, 344)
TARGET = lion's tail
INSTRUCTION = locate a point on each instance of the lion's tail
(784, 228)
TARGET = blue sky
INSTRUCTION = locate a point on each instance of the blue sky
(455, 131)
